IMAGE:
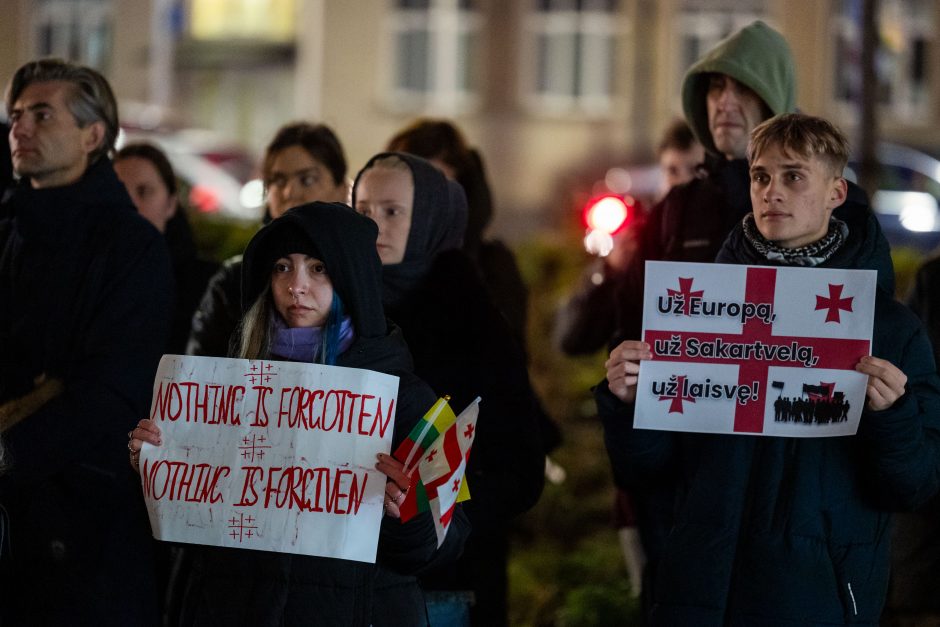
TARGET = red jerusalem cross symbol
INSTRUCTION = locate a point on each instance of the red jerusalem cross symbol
(468, 433)
(833, 353)
(834, 303)
(675, 407)
(686, 293)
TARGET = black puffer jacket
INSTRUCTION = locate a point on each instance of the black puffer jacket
(251, 588)
(85, 298)
(790, 531)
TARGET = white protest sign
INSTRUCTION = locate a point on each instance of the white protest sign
(269, 455)
(754, 350)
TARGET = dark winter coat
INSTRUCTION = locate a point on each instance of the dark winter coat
(787, 531)
(242, 587)
(500, 273)
(915, 545)
(85, 297)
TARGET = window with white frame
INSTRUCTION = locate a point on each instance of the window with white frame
(571, 55)
(435, 53)
(78, 30)
(905, 39)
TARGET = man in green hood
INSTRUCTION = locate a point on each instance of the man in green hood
(744, 80)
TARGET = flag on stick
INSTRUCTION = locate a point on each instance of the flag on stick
(441, 482)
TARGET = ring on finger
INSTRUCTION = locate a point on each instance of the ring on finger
(400, 498)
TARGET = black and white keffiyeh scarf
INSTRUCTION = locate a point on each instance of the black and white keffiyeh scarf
(810, 255)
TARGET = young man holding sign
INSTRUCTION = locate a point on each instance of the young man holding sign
(780, 530)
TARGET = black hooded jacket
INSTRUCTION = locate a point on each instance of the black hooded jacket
(785, 531)
(241, 587)
(85, 298)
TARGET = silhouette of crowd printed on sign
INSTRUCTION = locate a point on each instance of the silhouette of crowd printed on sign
(268, 455)
(754, 350)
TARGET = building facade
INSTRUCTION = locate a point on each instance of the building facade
(550, 90)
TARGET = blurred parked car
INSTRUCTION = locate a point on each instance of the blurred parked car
(906, 201)
(215, 176)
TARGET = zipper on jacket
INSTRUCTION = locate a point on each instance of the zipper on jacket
(852, 596)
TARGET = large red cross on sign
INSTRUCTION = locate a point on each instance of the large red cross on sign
(833, 353)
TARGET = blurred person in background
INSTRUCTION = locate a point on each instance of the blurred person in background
(85, 305)
(304, 162)
(680, 156)
(463, 347)
(146, 172)
(915, 546)
(442, 143)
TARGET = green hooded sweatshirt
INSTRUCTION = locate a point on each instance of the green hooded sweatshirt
(757, 56)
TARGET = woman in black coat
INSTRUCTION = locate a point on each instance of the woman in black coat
(312, 284)
(146, 172)
(463, 347)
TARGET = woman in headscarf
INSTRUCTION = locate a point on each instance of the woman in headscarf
(463, 347)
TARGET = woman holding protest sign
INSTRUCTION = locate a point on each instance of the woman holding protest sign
(312, 288)
(462, 347)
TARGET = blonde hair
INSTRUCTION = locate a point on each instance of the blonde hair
(255, 329)
(391, 162)
(803, 135)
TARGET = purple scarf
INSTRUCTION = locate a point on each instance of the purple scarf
(306, 343)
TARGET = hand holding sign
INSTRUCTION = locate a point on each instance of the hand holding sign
(273, 456)
(885, 382)
(780, 351)
(623, 368)
(145, 431)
